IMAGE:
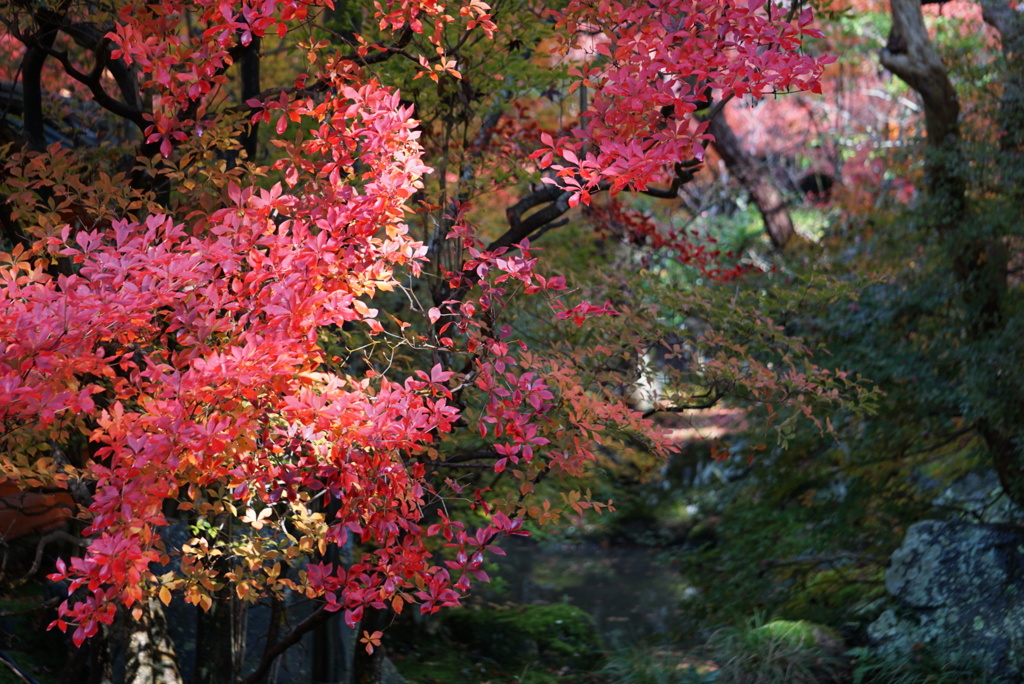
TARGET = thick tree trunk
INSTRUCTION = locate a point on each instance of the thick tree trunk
(753, 175)
(216, 643)
(331, 652)
(150, 656)
(90, 663)
(910, 55)
(249, 77)
(1002, 435)
(369, 667)
(332, 638)
(36, 52)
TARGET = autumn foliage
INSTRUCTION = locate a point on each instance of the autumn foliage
(166, 327)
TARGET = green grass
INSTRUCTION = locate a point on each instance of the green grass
(657, 665)
(778, 652)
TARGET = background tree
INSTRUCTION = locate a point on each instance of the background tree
(918, 230)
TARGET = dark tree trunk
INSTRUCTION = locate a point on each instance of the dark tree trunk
(369, 667)
(332, 651)
(90, 663)
(220, 641)
(150, 656)
(757, 180)
(1009, 22)
(910, 55)
(215, 642)
(332, 638)
(249, 76)
(36, 52)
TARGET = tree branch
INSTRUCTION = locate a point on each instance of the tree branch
(41, 547)
(87, 36)
(93, 83)
(755, 178)
(910, 55)
(554, 196)
(710, 402)
(286, 642)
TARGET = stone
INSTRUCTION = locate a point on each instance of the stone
(959, 591)
(389, 674)
(978, 497)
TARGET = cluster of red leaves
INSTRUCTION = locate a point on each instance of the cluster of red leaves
(187, 350)
(186, 347)
(184, 68)
(200, 337)
(649, 66)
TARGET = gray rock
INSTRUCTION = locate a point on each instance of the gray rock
(979, 497)
(390, 673)
(959, 589)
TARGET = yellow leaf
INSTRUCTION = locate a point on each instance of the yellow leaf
(165, 596)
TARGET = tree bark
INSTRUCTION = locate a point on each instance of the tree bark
(757, 180)
(332, 638)
(368, 668)
(150, 655)
(215, 642)
(32, 87)
(1010, 25)
(249, 77)
(910, 55)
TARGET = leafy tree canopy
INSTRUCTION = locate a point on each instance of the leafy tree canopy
(270, 268)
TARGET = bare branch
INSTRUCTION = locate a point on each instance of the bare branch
(56, 535)
(709, 402)
(287, 641)
(101, 96)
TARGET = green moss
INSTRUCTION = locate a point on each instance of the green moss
(829, 596)
(795, 633)
(646, 664)
(922, 666)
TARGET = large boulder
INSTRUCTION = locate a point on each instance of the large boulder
(959, 589)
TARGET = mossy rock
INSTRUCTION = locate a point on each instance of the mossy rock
(554, 635)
